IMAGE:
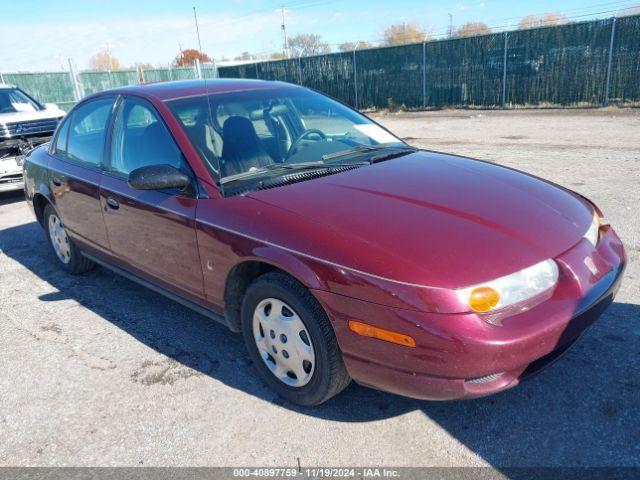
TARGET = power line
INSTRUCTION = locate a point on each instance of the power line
(623, 5)
(301, 5)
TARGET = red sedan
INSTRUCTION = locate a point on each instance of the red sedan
(339, 251)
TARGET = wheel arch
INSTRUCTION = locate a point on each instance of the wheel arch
(40, 202)
(243, 273)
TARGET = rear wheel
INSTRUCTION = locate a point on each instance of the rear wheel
(291, 341)
(65, 251)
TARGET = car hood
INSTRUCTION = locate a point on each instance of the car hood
(433, 219)
(11, 117)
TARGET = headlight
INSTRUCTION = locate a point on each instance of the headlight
(510, 289)
(593, 233)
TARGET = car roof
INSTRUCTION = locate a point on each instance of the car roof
(187, 88)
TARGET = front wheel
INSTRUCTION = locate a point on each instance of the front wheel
(291, 341)
(68, 255)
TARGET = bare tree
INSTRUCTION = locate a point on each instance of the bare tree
(307, 44)
(245, 56)
(529, 21)
(142, 65)
(349, 46)
(554, 18)
(104, 61)
(546, 20)
(402, 33)
(472, 29)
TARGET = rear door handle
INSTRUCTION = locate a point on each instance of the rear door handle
(113, 203)
(56, 181)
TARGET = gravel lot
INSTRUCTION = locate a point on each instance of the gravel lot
(99, 371)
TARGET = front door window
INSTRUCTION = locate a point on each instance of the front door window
(140, 138)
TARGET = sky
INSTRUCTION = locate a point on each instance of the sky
(41, 35)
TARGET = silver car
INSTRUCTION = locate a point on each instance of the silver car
(24, 124)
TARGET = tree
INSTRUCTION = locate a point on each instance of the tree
(307, 44)
(402, 33)
(546, 20)
(529, 21)
(472, 29)
(554, 18)
(104, 61)
(276, 56)
(188, 58)
(349, 46)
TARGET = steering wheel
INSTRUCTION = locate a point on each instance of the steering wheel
(303, 135)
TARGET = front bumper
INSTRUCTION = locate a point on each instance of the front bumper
(11, 174)
(464, 356)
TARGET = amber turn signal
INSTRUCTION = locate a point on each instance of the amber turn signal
(483, 299)
(367, 330)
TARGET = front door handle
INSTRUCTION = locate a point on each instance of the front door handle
(113, 203)
(56, 181)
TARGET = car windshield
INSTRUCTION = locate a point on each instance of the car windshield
(13, 100)
(269, 132)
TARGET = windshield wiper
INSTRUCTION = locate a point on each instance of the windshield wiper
(289, 166)
(395, 151)
(351, 151)
(393, 154)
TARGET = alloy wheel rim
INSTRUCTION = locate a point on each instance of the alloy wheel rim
(59, 239)
(283, 342)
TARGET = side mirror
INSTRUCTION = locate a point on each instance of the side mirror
(158, 177)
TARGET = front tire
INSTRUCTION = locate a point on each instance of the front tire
(67, 254)
(291, 341)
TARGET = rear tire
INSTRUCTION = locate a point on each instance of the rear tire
(313, 371)
(66, 253)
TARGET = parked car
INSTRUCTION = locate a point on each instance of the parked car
(339, 251)
(24, 124)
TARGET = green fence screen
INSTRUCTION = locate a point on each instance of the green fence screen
(566, 65)
(625, 68)
(558, 65)
(46, 87)
(464, 72)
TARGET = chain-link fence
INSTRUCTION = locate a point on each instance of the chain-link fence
(66, 88)
(588, 63)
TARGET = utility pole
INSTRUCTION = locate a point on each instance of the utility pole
(110, 69)
(355, 75)
(450, 26)
(284, 32)
(195, 16)
(77, 89)
(611, 44)
(108, 48)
